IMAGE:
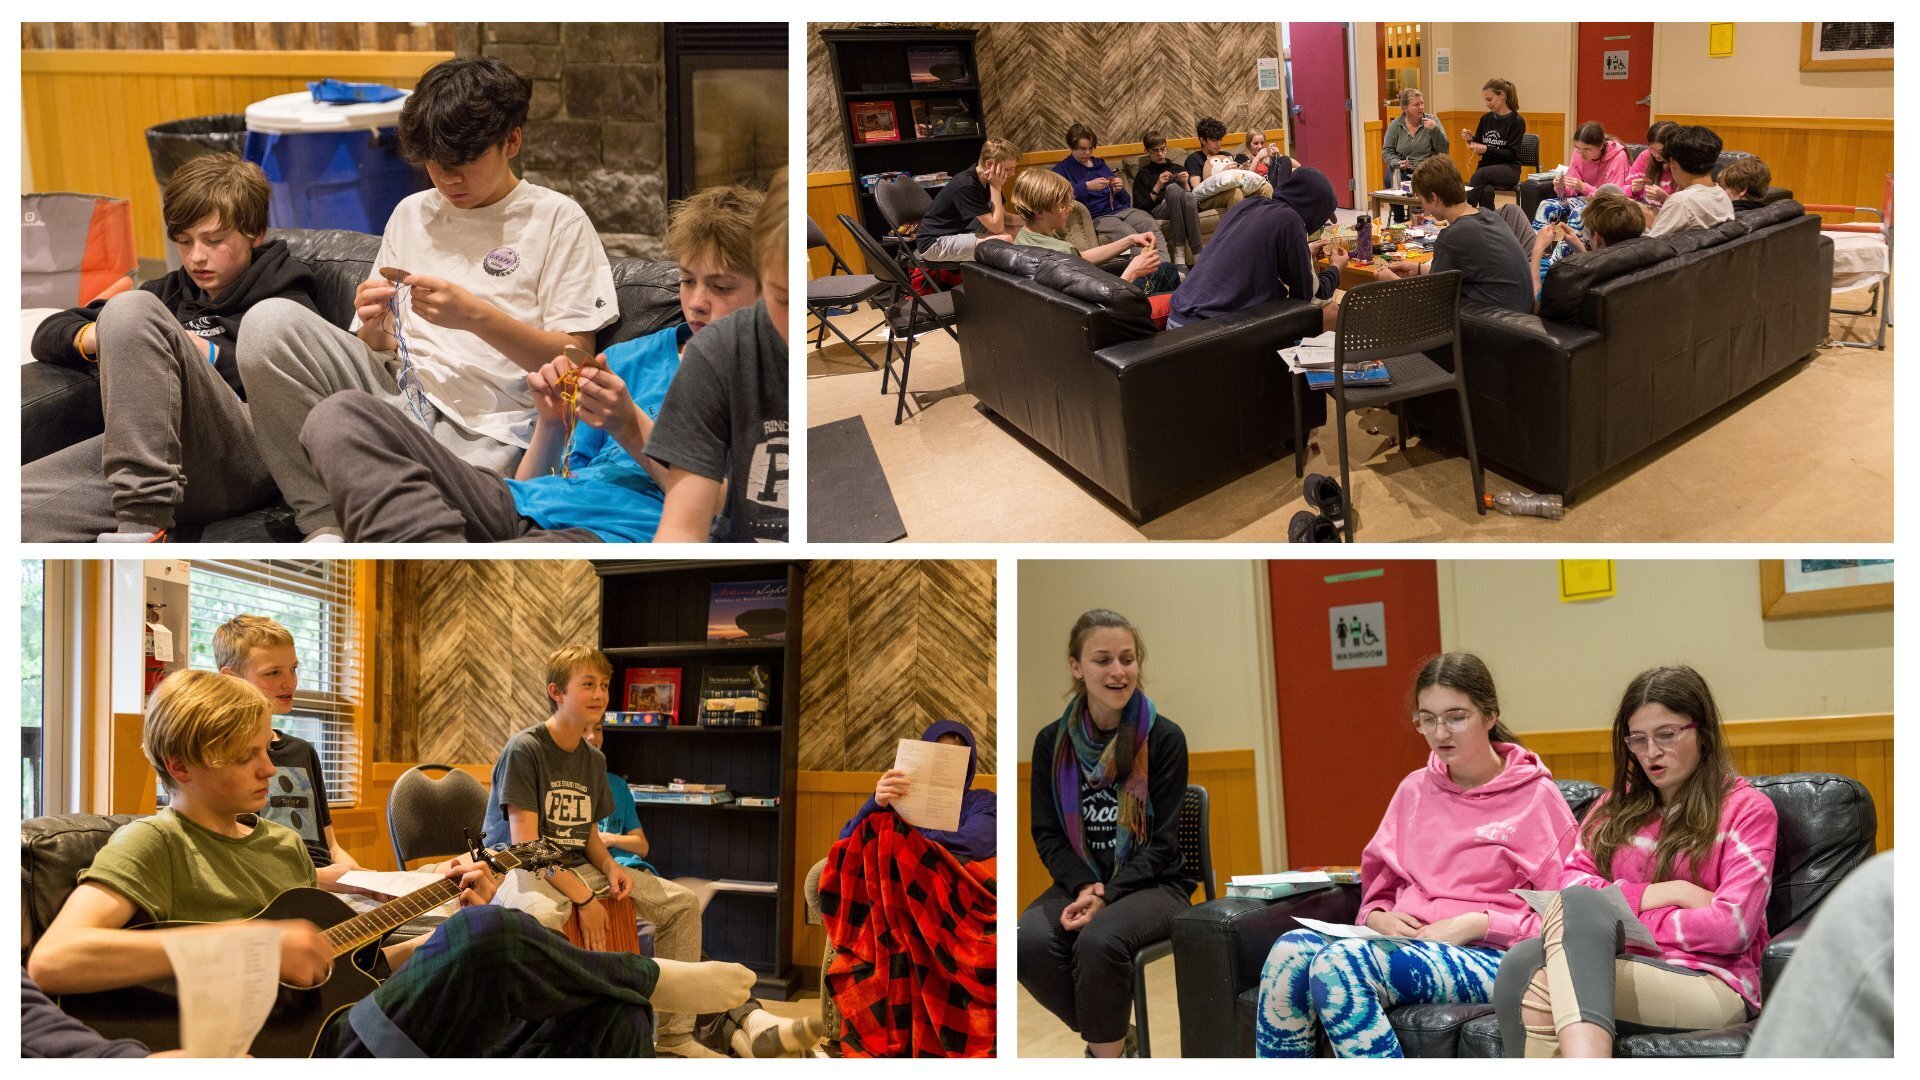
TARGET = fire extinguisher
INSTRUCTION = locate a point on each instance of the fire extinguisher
(155, 670)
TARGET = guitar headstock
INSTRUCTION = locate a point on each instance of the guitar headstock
(536, 854)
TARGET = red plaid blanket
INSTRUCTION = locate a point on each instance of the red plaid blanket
(915, 934)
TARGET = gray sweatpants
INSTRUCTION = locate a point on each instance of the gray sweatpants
(1182, 217)
(388, 480)
(1134, 220)
(291, 360)
(178, 448)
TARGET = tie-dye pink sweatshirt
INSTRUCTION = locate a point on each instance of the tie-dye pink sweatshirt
(1727, 936)
(1442, 851)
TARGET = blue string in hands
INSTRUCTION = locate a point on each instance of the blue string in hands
(410, 389)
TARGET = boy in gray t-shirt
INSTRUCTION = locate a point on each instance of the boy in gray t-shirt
(725, 418)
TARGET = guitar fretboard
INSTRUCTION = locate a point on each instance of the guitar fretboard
(373, 925)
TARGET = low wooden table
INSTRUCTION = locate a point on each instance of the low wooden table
(1377, 201)
(1354, 273)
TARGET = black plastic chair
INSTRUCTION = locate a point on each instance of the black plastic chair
(907, 316)
(1196, 859)
(1396, 322)
(840, 289)
(429, 816)
(903, 202)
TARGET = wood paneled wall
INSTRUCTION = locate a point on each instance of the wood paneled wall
(85, 112)
(825, 801)
(1823, 159)
(1228, 776)
(274, 36)
(1857, 746)
(890, 646)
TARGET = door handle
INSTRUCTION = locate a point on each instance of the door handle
(1295, 109)
(1648, 100)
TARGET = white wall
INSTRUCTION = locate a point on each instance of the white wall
(1561, 665)
(1761, 78)
(1209, 660)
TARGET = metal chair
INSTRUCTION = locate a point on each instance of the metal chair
(1396, 322)
(903, 202)
(840, 289)
(1196, 860)
(427, 817)
(907, 316)
(1880, 299)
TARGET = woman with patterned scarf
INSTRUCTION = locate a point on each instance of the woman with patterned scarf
(1108, 778)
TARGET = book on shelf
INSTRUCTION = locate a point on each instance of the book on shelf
(747, 611)
(734, 695)
(653, 695)
(949, 117)
(757, 800)
(873, 122)
(922, 124)
(636, 719)
(649, 793)
(937, 66)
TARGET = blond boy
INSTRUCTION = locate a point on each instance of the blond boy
(969, 208)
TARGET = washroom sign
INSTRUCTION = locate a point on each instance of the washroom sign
(1358, 634)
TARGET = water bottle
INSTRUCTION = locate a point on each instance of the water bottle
(1363, 239)
(1524, 504)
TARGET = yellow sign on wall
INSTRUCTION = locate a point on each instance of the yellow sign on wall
(1585, 579)
(1720, 39)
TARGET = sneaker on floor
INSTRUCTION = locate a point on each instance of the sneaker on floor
(325, 536)
(144, 536)
(1323, 494)
(1308, 527)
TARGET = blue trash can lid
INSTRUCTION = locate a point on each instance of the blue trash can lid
(297, 113)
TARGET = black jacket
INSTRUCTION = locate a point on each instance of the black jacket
(273, 272)
(1158, 862)
(1143, 193)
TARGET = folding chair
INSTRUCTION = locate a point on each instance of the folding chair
(908, 315)
(903, 202)
(840, 290)
(1880, 294)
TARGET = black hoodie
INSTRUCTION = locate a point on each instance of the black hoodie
(273, 272)
(1259, 252)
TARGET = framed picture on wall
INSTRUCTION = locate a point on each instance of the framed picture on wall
(1791, 588)
(1846, 46)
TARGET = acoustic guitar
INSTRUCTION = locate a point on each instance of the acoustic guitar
(300, 1014)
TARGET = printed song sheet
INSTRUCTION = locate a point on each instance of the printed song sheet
(228, 977)
(936, 782)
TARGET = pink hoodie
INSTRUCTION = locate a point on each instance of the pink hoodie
(1654, 193)
(1441, 851)
(1610, 169)
(1727, 936)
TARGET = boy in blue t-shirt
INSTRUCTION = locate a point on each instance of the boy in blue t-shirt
(391, 481)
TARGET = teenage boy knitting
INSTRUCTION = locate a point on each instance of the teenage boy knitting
(1697, 202)
(178, 446)
(389, 480)
(500, 276)
(722, 432)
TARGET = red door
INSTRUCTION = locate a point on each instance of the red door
(1322, 127)
(1608, 93)
(1345, 739)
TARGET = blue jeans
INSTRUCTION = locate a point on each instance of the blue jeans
(1345, 986)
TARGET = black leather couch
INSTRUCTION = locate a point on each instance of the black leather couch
(1067, 354)
(1827, 827)
(61, 406)
(1636, 342)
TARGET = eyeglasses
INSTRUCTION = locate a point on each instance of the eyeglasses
(1453, 720)
(1664, 738)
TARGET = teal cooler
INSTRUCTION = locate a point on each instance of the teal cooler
(330, 166)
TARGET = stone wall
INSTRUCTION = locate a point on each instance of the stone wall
(596, 129)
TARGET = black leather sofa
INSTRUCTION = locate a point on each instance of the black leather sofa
(1067, 354)
(1827, 827)
(1636, 342)
(60, 406)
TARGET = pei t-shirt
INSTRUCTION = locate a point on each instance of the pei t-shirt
(567, 789)
(297, 796)
(535, 256)
(725, 418)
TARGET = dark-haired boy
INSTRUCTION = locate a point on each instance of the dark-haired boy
(1697, 202)
(502, 275)
(1212, 133)
(178, 447)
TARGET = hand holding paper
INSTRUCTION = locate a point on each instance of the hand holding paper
(1637, 932)
(936, 783)
(228, 977)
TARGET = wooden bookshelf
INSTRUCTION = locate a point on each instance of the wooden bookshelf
(654, 614)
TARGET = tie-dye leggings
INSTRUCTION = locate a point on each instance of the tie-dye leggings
(1346, 986)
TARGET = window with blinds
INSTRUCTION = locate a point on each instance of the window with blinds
(312, 598)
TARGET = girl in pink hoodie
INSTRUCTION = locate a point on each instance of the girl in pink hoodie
(1598, 160)
(1482, 819)
(1690, 845)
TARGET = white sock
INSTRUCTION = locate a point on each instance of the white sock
(764, 1035)
(147, 537)
(327, 535)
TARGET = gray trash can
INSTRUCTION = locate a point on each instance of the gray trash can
(176, 142)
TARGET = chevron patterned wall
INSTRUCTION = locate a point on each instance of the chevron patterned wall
(462, 650)
(891, 646)
(1120, 79)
